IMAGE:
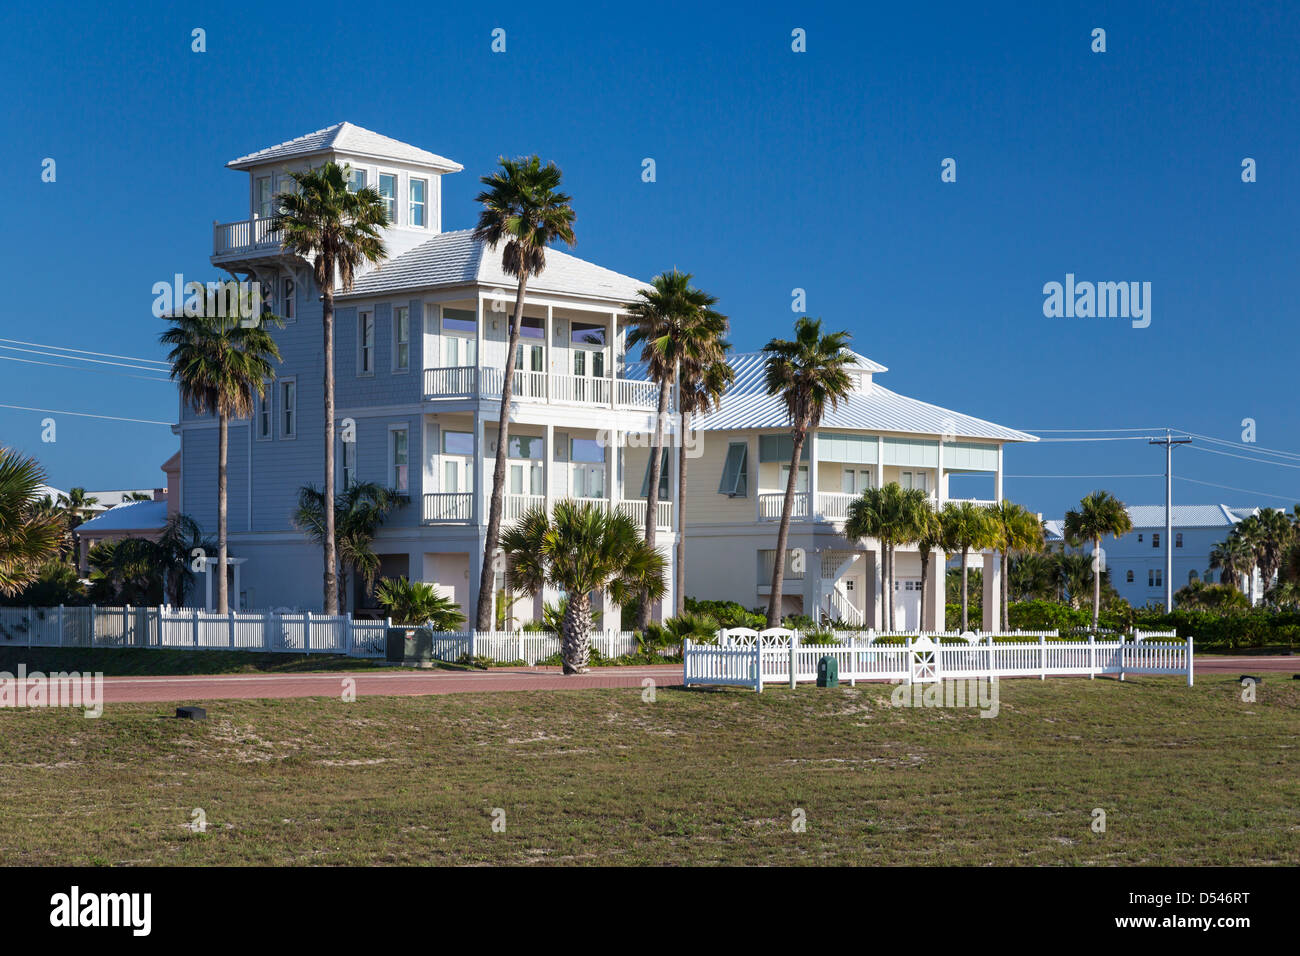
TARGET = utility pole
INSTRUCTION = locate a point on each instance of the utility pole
(1169, 442)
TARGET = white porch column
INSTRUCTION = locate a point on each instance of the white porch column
(548, 464)
(234, 594)
(478, 343)
(812, 584)
(812, 478)
(873, 603)
(207, 575)
(611, 465)
(479, 471)
(997, 480)
(992, 591)
(547, 362)
(880, 461)
(936, 604)
(941, 490)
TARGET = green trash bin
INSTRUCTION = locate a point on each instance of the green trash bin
(408, 645)
(828, 672)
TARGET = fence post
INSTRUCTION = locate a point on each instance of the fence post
(92, 625)
(196, 628)
(126, 625)
(758, 666)
(794, 645)
(230, 627)
(347, 647)
(1042, 657)
(471, 644)
(907, 659)
(521, 656)
(1092, 657)
(1189, 660)
(60, 625)
(306, 632)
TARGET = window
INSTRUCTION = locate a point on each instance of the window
(1155, 540)
(735, 471)
(525, 446)
(1139, 537)
(417, 191)
(529, 358)
(388, 193)
(1155, 578)
(457, 443)
(856, 480)
(366, 343)
(779, 448)
(458, 331)
(401, 338)
(800, 483)
(349, 458)
(1128, 577)
(356, 179)
(915, 479)
(663, 476)
(262, 198)
(1178, 540)
(397, 474)
(264, 415)
(288, 307)
(288, 408)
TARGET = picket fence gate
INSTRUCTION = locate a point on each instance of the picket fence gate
(754, 658)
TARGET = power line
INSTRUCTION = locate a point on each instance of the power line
(1113, 438)
(82, 368)
(1258, 461)
(1246, 447)
(73, 358)
(112, 418)
(1244, 491)
(1084, 476)
(64, 348)
(1152, 429)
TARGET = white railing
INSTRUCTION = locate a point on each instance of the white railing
(770, 657)
(842, 609)
(834, 504)
(580, 389)
(449, 506)
(767, 564)
(485, 382)
(245, 236)
(636, 393)
(770, 505)
(516, 505)
(635, 509)
(451, 380)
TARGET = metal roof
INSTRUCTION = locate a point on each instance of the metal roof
(346, 138)
(134, 516)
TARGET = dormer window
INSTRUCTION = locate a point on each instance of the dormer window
(388, 193)
(419, 189)
(262, 197)
(356, 179)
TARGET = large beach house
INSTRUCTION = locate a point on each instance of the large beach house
(420, 352)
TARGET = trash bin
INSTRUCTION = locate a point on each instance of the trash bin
(408, 645)
(828, 672)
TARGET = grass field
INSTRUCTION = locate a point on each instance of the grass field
(138, 662)
(1185, 776)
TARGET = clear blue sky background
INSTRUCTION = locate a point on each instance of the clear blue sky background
(776, 170)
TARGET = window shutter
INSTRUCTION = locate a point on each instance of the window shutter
(733, 470)
(663, 477)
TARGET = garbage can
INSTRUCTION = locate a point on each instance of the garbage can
(828, 672)
(408, 645)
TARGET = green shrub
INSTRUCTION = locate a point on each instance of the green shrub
(727, 613)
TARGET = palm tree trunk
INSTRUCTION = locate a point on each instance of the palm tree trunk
(925, 587)
(575, 648)
(331, 547)
(652, 492)
(223, 444)
(964, 593)
(1096, 581)
(1006, 612)
(890, 620)
(680, 587)
(487, 574)
(783, 535)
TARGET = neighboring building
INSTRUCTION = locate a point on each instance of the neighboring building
(130, 519)
(420, 345)
(1136, 561)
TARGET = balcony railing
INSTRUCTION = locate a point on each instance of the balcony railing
(830, 505)
(458, 507)
(469, 381)
(246, 236)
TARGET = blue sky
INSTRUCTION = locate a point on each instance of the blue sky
(775, 170)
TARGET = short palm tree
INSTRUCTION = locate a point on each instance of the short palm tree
(893, 516)
(1073, 574)
(418, 603)
(359, 510)
(1032, 576)
(77, 507)
(966, 527)
(523, 213)
(1018, 531)
(581, 550)
(28, 536)
(675, 325)
(1100, 514)
(1233, 558)
(808, 372)
(180, 537)
(1270, 534)
(338, 232)
(220, 364)
(704, 377)
(930, 538)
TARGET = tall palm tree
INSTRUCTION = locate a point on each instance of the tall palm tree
(966, 527)
(1233, 558)
(582, 549)
(28, 536)
(220, 365)
(704, 376)
(1100, 514)
(1018, 530)
(338, 232)
(523, 212)
(1270, 533)
(77, 507)
(930, 537)
(808, 372)
(675, 324)
(892, 516)
(358, 512)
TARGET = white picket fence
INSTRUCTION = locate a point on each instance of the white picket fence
(754, 658)
(298, 632)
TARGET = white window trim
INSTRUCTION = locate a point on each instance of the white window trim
(411, 202)
(397, 193)
(374, 325)
(342, 474)
(266, 405)
(397, 369)
(392, 449)
(283, 299)
(284, 435)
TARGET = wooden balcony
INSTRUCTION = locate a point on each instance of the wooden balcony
(469, 381)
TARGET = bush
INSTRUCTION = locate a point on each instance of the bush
(727, 613)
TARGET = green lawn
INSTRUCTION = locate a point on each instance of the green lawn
(136, 662)
(1185, 776)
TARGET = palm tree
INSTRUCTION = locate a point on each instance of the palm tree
(581, 550)
(675, 325)
(808, 372)
(1017, 530)
(966, 527)
(704, 376)
(1100, 514)
(523, 213)
(358, 512)
(930, 538)
(892, 516)
(28, 537)
(1032, 575)
(180, 537)
(418, 603)
(77, 507)
(1232, 557)
(1073, 574)
(220, 364)
(337, 231)
(1269, 533)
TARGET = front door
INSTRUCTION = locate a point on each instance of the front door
(588, 369)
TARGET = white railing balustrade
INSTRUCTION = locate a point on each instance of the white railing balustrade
(635, 509)
(247, 235)
(448, 506)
